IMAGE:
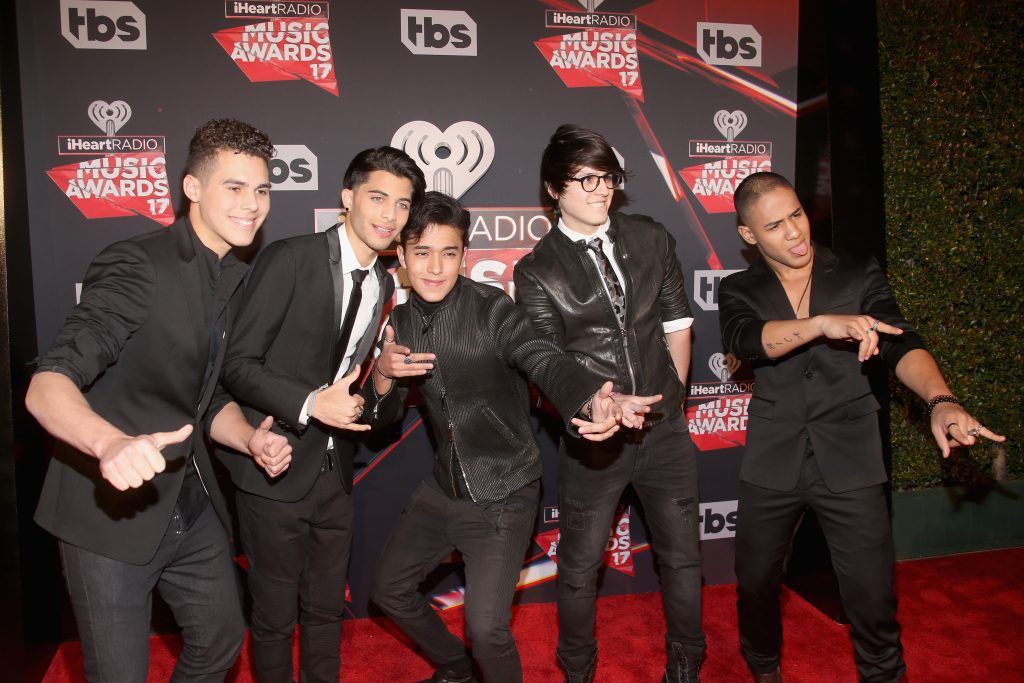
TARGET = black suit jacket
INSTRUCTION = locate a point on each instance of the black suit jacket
(281, 349)
(819, 391)
(138, 346)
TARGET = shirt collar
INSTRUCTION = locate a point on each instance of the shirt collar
(601, 232)
(349, 262)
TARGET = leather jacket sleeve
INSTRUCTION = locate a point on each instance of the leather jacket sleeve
(545, 316)
(672, 298)
(566, 383)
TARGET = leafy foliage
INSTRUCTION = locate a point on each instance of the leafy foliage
(951, 96)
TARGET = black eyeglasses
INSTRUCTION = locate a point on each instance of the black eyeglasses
(589, 183)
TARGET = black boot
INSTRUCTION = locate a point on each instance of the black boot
(682, 667)
(457, 672)
(584, 674)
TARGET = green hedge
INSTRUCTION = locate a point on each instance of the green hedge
(951, 96)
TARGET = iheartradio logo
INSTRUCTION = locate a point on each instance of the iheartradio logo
(452, 160)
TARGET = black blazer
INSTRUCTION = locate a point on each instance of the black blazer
(819, 391)
(281, 349)
(137, 345)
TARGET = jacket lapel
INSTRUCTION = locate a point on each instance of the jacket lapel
(191, 287)
(338, 281)
(824, 283)
(770, 293)
(231, 276)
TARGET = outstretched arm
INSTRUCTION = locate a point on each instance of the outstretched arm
(125, 461)
(951, 425)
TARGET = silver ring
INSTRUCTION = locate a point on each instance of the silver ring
(974, 431)
(874, 327)
(408, 360)
(359, 411)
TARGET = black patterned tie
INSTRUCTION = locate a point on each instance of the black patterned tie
(350, 317)
(614, 288)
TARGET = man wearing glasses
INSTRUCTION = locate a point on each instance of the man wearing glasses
(608, 288)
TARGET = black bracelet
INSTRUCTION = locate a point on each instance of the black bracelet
(941, 398)
(376, 366)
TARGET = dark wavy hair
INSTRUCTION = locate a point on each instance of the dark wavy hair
(394, 161)
(752, 187)
(225, 135)
(436, 208)
(570, 149)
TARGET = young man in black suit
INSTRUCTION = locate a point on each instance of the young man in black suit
(469, 350)
(808, 319)
(607, 287)
(309, 317)
(130, 491)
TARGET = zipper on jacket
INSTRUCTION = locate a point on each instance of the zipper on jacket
(451, 426)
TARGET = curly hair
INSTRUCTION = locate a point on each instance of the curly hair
(225, 135)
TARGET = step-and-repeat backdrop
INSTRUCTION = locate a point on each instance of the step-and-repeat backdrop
(694, 95)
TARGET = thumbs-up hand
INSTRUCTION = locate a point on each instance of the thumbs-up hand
(270, 451)
(130, 461)
(336, 407)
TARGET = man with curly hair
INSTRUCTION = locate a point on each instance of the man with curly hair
(130, 492)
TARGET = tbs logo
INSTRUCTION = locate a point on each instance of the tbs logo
(294, 167)
(103, 24)
(718, 520)
(438, 32)
(729, 44)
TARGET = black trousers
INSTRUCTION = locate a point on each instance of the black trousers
(493, 539)
(298, 562)
(856, 526)
(661, 464)
(194, 572)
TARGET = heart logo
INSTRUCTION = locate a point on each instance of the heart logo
(730, 124)
(591, 5)
(452, 161)
(724, 365)
(109, 117)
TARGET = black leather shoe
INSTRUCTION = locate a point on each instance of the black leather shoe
(582, 675)
(773, 677)
(682, 667)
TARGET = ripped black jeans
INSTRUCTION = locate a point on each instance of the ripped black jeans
(661, 464)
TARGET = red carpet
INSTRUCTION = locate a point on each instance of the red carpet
(962, 617)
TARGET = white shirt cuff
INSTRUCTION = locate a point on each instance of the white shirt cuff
(304, 415)
(676, 325)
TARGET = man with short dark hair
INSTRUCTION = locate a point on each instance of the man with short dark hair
(131, 492)
(607, 287)
(808, 319)
(309, 317)
(469, 350)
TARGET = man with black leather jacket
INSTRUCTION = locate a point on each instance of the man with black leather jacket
(608, 288)
(466, 346)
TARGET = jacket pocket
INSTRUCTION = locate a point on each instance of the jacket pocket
(501, 427)
(761, 407)
(859, 407)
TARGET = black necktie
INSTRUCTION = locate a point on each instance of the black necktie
(358, 275)
(612, 282)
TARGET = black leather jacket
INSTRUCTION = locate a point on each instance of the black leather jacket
(558, 285)
(477, 401)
